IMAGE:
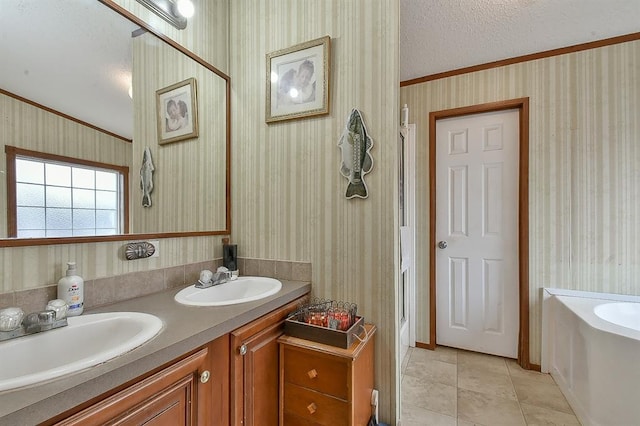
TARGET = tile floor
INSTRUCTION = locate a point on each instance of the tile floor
(455, 387)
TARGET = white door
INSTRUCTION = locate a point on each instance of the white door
(477, 232)
(407, 238)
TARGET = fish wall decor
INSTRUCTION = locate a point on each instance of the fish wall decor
(146, 177)
(355, 144)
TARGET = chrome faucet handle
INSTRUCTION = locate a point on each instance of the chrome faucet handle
(221, 276)
(10, 318)
(60, 308)
(205, 277)
(40, 318)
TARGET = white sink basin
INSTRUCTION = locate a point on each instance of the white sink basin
(625, 314)
(244, 289)
(88, 340)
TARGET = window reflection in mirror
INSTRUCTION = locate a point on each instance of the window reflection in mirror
(55, 196)
(191, 187)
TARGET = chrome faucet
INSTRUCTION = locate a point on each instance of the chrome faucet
(12, 325)
(210, 279)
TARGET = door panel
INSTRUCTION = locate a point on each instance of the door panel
(459, 292)
(458, 181)
(477, 216)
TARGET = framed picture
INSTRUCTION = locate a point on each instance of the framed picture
(298, 81)
(177, 109)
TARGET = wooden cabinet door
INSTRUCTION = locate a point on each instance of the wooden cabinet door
(174, 396)
(255, 369)
(260, 364)
(171, 406)
(167, 397)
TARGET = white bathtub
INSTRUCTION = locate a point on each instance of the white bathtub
(591, 347)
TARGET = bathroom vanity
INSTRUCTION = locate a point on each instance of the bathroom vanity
(197, 370)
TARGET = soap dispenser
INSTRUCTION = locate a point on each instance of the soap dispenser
(71, 290)
(230, 256)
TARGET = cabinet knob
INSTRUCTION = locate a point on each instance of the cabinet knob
(312, 373)
(243, 349)
(312, 408)
(204, 377)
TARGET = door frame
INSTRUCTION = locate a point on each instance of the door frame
(522, 105)
(409, 170)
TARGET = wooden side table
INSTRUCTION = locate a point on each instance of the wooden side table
(326, 385)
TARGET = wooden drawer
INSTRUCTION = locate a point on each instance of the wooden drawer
(314, 407)
(313, 370)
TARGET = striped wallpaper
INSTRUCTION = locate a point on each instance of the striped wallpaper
(28, 127)
(30, 267)
(190, 176)
(584, 182)
(288, 194)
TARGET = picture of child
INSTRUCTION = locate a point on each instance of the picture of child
(177, 115)
(297, 86)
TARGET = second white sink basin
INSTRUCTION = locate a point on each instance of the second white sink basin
(244, 289)
(87, 341)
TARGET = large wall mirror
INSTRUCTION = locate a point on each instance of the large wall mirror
(87, 81)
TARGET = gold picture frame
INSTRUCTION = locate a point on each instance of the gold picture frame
(177, 112)
(298, 81)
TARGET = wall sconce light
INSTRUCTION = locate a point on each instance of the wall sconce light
(174, 12)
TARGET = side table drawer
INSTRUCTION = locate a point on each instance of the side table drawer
(308, 369)
(315, 407)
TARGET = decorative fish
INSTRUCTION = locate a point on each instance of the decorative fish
(355, 143)
(146, 177)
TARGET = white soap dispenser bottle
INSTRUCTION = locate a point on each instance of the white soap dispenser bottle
(71, 290)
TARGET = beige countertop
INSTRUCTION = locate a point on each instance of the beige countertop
(184, 328)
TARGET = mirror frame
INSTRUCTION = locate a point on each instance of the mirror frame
(22, 242)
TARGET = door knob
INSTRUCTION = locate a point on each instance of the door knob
(204, 377)
(442, 245)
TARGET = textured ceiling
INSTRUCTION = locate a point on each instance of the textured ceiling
(73, 56)
(444, 35)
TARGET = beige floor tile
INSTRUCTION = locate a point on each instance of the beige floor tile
(480, 389)
(536, 416)
(436, 397)
(516, 371)
(416, 416)
(488, 410)
(432, 370)
(445, 354)
(441, 353)
(543, 395)
(483, 362)
(482, 381)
